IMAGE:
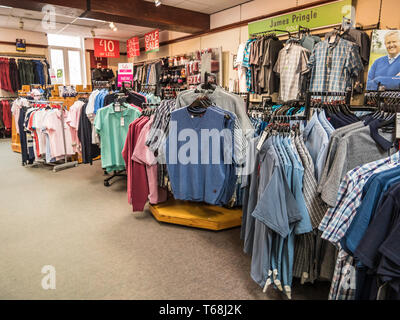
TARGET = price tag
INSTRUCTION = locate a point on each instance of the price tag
(117, 107)
(332, 39)
(262, 139)
(122, 121)
(398, 125)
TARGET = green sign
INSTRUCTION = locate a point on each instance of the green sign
(59, 73)
(320, 16)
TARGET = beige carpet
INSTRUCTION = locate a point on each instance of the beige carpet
(103, 250)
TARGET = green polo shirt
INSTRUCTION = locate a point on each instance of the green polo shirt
(113, 128)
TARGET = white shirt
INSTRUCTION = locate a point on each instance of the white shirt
(90, 104)
(391, 60)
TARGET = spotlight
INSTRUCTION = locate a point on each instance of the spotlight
(157, 3)
(112, 25)
(115, 29)
(92, 32)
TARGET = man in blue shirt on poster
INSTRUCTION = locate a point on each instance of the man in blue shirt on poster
(386, 69)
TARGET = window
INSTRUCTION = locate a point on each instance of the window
(74, 62)
(57, 61)
(64, 41)
(67, 55)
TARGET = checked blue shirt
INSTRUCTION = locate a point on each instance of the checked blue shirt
(337, 221)
(334, 65)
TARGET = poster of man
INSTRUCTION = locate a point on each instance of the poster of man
(384, 68)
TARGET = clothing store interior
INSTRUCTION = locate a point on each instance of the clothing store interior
(189, 150)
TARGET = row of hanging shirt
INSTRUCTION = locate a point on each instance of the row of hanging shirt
(213, 104)
(89, 135)
(43, 134)
(260, 119)
(281, 208)
(5, 117)
(141, 164)
(310, 246)
(360, 169)
(266, 65)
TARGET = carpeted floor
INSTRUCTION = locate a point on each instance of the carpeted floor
(102, 250)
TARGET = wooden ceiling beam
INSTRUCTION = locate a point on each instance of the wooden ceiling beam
(133, 12)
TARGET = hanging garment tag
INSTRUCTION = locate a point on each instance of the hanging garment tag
(332, 39)
(262, 139)
(117, 107)
(398, 125)
(122, 121)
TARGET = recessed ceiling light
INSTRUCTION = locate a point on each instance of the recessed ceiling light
(112, 25)
(157, 3)
(115, 29)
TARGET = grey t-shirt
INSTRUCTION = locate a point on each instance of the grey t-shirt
(222, 99)
(356, 148)
(333, 144)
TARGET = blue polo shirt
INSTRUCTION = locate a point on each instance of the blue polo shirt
(372, 191)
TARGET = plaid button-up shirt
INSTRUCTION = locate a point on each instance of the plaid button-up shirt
(337, 220)
(334, 65)
(292, 62)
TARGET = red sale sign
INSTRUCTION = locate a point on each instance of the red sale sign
(152, 41)
(133, 48)
(104, 48)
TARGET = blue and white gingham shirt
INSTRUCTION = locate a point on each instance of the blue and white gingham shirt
(338, 219)
(334, 65)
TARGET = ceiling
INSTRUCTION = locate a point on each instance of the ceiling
(204, 6)
(10, 17)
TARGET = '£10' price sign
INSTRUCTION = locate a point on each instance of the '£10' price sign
(104, 48)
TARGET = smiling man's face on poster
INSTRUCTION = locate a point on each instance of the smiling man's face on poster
(384, 70)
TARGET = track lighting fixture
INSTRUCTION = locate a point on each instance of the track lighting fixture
(21, 24)
(157, 3)
(93, 33)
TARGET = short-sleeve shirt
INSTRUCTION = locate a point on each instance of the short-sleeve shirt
(113, 129)
(292, 62)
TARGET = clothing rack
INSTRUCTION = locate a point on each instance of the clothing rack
(170, 91)
(145, 104)
(270, 31)
(101, 84)
(121, 173)
(346, 95)
(66, 164)
(23, 55)
(146, 62)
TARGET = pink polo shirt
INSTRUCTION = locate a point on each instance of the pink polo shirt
(143, 155)
(53, 126)
(72, 120)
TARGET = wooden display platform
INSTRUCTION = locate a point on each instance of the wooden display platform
(198, 215)
(15, 143)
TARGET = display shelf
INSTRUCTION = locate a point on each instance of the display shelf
(198, 215)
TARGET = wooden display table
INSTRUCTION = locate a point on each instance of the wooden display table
(198, 215)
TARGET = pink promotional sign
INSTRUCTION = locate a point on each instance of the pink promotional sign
(125, 73)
